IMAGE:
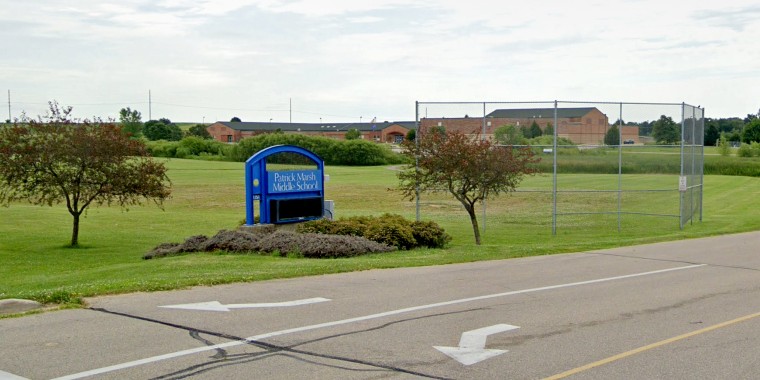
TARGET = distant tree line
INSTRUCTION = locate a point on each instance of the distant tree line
(732, 129)
(522, 135)
(161, 129)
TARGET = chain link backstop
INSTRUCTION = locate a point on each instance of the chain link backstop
(629, 166)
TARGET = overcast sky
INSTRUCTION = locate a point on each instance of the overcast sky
(346, 60)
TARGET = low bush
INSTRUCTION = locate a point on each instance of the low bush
(391, 232)
(188, 147)
(744, 150)
(430, 234)
(270, 241)
(755, 148)
(388, 229)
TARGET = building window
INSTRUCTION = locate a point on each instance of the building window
(398, 139)
(229, 138)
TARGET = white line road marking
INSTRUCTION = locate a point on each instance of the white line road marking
(357, 319)
(9, 376)
(216, 306)
(472, 345)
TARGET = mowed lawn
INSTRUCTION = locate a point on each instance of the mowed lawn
(208, 196)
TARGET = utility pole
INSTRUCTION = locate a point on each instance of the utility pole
(291, 110)
(9, 106)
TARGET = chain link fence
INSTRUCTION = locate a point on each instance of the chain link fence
(603, 165)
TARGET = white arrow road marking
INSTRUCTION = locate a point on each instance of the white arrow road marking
(172, 355)
(472, 345)
(216, 306)
(9, 376)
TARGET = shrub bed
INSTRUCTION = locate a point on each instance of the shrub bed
(390, 229)
(273, 242)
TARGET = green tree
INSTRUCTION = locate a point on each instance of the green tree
(77, 162)
(162, 129)
(645, 128)
(711, 135)
(199, 130)
(131, 121)
(535, 130)
(751, 131)
(235, 119)
(724, 148)
(470, 169)
(612, 137)
(438, 129)
(666, 131)
(411, 135)
(549, 130)
(353, 134)
(508, 135)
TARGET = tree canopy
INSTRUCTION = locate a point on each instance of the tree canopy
(535, 130)
(549, 130)
(199, 130)
(131, 121)
(751, 132)
(612, 137)
(411, 135)
(711, 135)
(57, 159)
(509, 135)
(353, 134)
(470, 169)
(666, 131)
(162, 129)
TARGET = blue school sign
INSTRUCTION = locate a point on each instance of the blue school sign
(284, 196)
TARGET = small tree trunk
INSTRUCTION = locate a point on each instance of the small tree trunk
(75, 230)
(474, 220)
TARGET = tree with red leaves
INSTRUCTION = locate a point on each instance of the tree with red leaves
(57, 159)
(468, 167)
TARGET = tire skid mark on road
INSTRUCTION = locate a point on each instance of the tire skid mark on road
(223, 359)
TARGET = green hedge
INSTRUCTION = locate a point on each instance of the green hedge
(333, 152)
(188, 147)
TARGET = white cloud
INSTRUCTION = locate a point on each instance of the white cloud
(347, 57)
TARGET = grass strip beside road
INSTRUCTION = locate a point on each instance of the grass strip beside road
(209, 196)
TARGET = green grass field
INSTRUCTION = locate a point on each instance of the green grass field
(208, 196)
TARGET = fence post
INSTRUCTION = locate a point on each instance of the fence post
(554, 174)
(682, 194)
(416, 159)
(620, 168)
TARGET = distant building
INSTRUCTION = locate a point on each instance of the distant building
(387, 132)
(585, 126)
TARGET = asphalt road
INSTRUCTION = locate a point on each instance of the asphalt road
(678, 310)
